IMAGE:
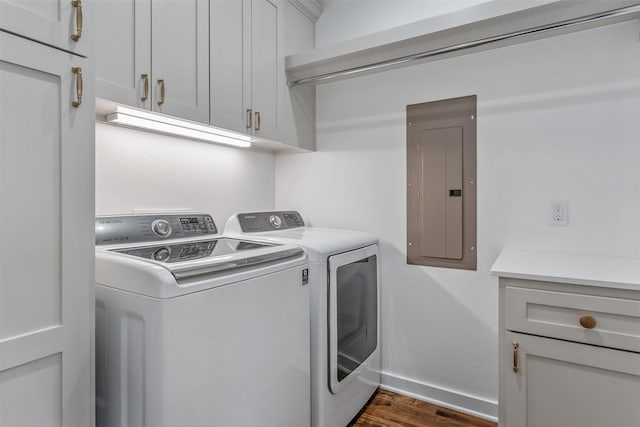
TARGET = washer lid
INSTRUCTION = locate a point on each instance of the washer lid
(189, 259)
(192, 250)
(182, 267)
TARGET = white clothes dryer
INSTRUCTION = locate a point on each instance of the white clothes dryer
(344, 275)
(195, 329)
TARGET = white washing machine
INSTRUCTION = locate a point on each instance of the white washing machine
(194, 329)
(344, 274)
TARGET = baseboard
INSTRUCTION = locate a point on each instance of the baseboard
(471, 405)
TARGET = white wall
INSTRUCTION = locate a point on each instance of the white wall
(557, 120)
(346, 19)
(138, 170)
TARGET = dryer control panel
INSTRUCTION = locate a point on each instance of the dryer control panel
(269, 221)
(112, 230)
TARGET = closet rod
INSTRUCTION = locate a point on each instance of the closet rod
(467, 45)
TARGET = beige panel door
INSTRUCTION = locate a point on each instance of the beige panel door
(441, 183)
(46, 244)
(440, 192)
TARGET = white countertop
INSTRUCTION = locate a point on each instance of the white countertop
(591, 270)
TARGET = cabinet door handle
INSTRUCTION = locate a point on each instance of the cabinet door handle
(78, 72)
(257, 120)
(145, 77)
(516, 346)
(249, 123)
(161, 83)
(588, 322)
(77, 4)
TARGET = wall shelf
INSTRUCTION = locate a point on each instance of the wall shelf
(479, 22)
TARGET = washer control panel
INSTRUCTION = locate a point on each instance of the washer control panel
(151, 228)
(269, 221)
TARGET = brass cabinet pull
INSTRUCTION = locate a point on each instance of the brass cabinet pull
(249, 119)
(145, 77)
(161, 83)
(257, 120)
(588, 322)
(516, 346)
(77, 4)
(78, 72)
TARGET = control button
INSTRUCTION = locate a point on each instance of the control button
(211, 227)
(275, 221)
(208, 219)
(161, 228)
(161, 254)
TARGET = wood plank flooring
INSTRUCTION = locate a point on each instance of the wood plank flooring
(388, 409)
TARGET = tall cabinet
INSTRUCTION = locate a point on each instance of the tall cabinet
(58, 23)
(569, 340)
(46, 230)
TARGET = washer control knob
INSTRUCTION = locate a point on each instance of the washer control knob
(161, 228)
(161, 254)
(275, 221)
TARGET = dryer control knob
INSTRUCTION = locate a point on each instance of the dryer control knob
(161, 228)
(275, 221)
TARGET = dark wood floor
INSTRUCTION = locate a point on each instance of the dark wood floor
(388, 409)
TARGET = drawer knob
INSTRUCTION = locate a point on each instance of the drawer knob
(588, 322)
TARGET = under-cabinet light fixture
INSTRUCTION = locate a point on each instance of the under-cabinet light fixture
(177, 127)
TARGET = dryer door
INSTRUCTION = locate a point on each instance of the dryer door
(353, 314)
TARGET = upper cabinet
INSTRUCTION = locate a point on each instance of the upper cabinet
(58, 23)
(158, 57)
(244, 59)
(249, 41)
(217, 62)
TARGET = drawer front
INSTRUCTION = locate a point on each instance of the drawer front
(608, 322)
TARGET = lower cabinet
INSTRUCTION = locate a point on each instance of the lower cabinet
(565, 384)
(570, 353)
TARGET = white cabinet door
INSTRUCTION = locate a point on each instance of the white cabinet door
(46, 248)
(180, 58)
(244, 59)
(144, 45)
(564, 384)
(229, 73)
(264, 68)
(122, 51)
(48, 21)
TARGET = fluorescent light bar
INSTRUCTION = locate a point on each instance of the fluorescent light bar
(172, 126)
